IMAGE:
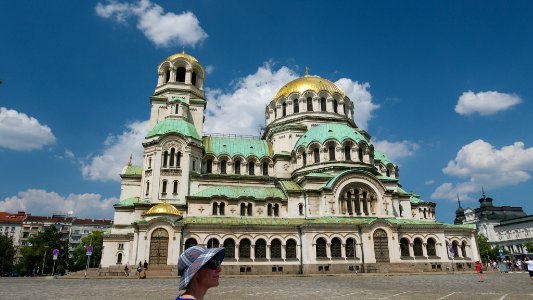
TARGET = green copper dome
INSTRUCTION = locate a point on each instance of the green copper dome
(383, 158)
(174, 126)
(324, 132)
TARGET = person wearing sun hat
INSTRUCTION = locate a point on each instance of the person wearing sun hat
(199, 268)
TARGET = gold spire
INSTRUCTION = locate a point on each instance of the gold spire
(129, 162)
(306, 71)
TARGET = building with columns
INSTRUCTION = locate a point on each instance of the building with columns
(311, 195)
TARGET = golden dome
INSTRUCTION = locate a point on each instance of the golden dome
(182, 55)
(313, 83)
(163, 209)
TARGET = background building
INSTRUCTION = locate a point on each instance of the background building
(312, 195)
(11, 226)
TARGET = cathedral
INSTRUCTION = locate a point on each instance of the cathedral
(312, 195)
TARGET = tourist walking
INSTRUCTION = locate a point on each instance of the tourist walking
(199, 268)
(479, 270)
(126, 270)
(528, 263)
(139, 270)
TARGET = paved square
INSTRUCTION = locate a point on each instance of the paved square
(462, 286)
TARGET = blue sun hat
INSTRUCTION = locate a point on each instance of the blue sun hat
(193, 259)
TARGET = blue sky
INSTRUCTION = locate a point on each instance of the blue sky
(444, 88)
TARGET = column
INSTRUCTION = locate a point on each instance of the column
(252, 252)
(172, 75)
(237, 256)
(268, 252)
(411, 250)
(328, 250)
(188, 75)
(424, 250)
(283, 252)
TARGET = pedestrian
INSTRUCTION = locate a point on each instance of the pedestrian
(529, 264)
(145, 268)
(479, 270)
(126, 270)
(199, 268)
(139, 270)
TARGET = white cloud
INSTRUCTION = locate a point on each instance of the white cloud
(19, 131)
(252, 93)
(481, 164)
(163, 29)
(41, 202)
(396, 150)
(209, 69)
(359, 93)
(242, 110)
(429, 182)
(109, 164)
(485, 103)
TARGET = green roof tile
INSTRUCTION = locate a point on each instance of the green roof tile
(131, 202)
(133, 170)
(290, 185)
(231, 146)
(324, 132)
(235, 192)
(383, 158)
(174, 126)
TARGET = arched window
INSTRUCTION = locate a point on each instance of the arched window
(284, 109)
(296, 106)
(336, 248)
(301, 209)
(323, 104)
(251, 168)
(213, 243)
(360, 154)
(265, 168)
(424, 211)
(149, 162)
(147, 188)
(222, 207)
(316, 154)
(304, 159)
(193, 78)
(223, 167)
(404, 247)
(215, 208)
(417, 247)
(350, 248)
(237, 167)
(347, 153)
(172, 153)
(430, 248)
(165, 159)
(276, 210)
(260, 248)
(243, 209)
(209, 166)
(180, 74)
(190, 242)
(388, 172)
(275, 249)
(455, 246)
(167, 75)
(244, 248)
(335, 105)
(309, 104)
(177, 108)
(331, 150)
(249, 209)
(321, 248)
(175, 187)
(401, 210)
(164, 187)
(178, 159)
(269, 209)
(119, 259)
(290, 249)
(229, 244)
(463, 249)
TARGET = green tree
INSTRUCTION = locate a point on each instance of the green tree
(7, 253)
(528, 246)
(486, 251)
(40, 252)
(79, 258)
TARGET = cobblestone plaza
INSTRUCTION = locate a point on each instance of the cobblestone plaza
(450, 286)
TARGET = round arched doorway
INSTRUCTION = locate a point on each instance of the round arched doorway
(381, 246)
(159, 247)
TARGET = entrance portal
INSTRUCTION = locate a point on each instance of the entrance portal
(159, 247)
(381, 246)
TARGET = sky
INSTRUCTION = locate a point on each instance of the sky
(443, 87)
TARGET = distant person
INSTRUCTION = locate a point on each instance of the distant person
(199, 268)
(479, 270)
(528, 263)
(139, 270)
(127, 270)
(145, 268)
